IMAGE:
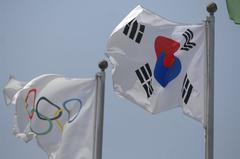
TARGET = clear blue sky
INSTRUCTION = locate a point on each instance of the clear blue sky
(69, 37)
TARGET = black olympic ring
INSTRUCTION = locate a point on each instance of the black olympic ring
(40, 116)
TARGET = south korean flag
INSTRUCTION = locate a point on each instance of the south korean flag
(158, 64)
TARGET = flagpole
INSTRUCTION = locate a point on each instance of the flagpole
(209, 121)
(99, 114)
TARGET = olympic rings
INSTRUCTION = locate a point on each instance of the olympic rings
(51, 103)
(34, 91)
(56, 115)
(69, 113)
(44, 132)
(59, 124)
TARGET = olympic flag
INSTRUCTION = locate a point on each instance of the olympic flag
(159, 64)
(58, 111)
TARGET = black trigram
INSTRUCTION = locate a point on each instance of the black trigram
(144, 74)
(188, 35)
(186, 89)
(136, 30)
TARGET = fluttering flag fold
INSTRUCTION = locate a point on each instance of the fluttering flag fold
(159, 64)
(58, 111)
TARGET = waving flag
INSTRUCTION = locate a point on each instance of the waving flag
(159, 64)
(56, 110)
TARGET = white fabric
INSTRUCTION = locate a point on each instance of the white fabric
(128, 54)
(58, 111)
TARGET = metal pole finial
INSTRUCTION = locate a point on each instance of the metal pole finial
(212, 8)
(103, 65)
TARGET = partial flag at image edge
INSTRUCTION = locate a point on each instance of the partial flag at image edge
(233, 7)
(53, 105)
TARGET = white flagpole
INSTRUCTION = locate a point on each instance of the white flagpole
(99, 113)
(209, 121)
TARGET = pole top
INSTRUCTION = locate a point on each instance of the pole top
(103, 65)
(212, 8)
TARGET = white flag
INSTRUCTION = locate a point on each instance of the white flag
(159, 64)
(58, 111)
